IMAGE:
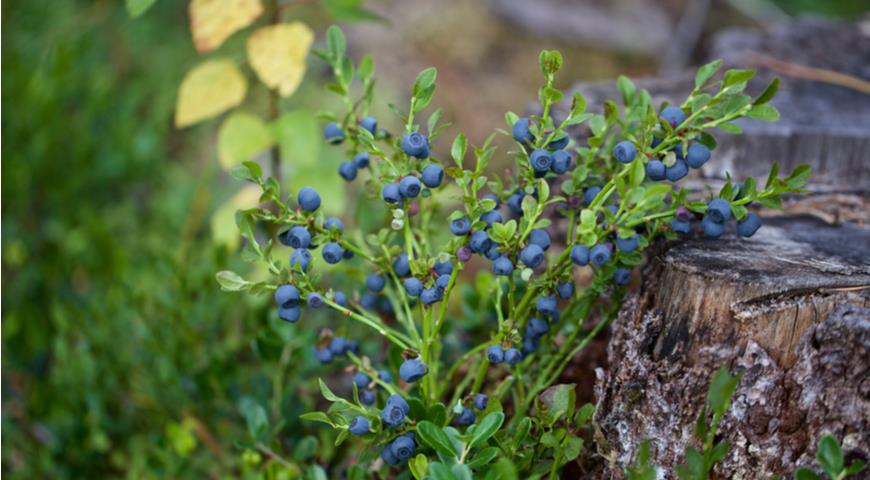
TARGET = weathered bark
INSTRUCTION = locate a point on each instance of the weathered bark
(787, 307)
(823, 125)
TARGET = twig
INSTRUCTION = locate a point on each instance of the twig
(810, 73)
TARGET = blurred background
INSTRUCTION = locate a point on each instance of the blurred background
(121, 357)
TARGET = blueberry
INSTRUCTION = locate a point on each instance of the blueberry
(512, 356)
(561, 162)
(409, 187)
(375, 282)
(655, 170)
(492, 254)
(546, 304)
(308, 199)
(291, 314)
(532, 255)
(430, 296)
(466, 418)
(401, 266)
(442, 282)
(391, 193)
(540, 238)
(338, 346)
(749, 225)
(460, 226)
(385, 376)
(340, 298)
(463, 254)
(621, 276)
(480, 401)
(494, 198)
(359, 426)
(369, 301)
(515, 204)
(361, 380)
(541, 161)
(530, 345)
(521, 131)
(352, 346)
(698, 155)
(558, 143)
(580, 255)
(503, 266)
(333, 134)
(403, 448)
(677, 171)
(287, 296)
(415, 144)
(334, 223)
(565, 289)
(300, 260)
(492, 216)
(388, 456)
(495, 354)
(600, 254)
(332, 252)
(298, 237)
(393, 414)
(347, 170)
(537, 327)
(361, 160)
(719, 210)
(433, 175)
(681, 226)
(323, 354)
(479, 242)
(367, 397)
(590, 194)
(627, 245)
(370, 124)
(412, 370)
(712, 228)
(655, 142)
(673, 115)
(386, 306)
(443, 268)
(624, 151)
(314, 300)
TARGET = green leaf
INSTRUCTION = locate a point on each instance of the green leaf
(764, 112)
(461, 471)
(706, 72)
(722, 387)
(830, 456)
(419, 465)
(626, 89)
(558, 402)
(255, 417)
(638, 173)
(136, 8)
(483, 457)
(805, 474)
(425, 80)
(503, 469)
(578, 104)
(327, 393)
(734, 77)
(457, 151)
(730, 128)
(550, 62)
(437, 413)
(768, 93)
(856, 467)
(231, 281)
(335, 43)
(351, 11)
(799, 177)
(487, 428)
(317, 417)
(584, 414)
(439, 471)
(435, 437)
(522, 430)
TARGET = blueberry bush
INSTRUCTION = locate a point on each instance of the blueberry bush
(445, 237)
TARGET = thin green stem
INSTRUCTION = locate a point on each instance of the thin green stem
(397, 338)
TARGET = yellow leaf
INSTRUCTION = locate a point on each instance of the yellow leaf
(223, 221)
(207, 90)
(213, 21)
(277, 53)
(241, 136)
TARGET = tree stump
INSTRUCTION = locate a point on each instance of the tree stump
(788, 308)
